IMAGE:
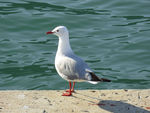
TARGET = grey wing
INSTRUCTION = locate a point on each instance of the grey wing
(74, 68)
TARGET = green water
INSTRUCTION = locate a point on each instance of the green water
(112, 36)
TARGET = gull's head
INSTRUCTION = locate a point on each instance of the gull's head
(60, 31)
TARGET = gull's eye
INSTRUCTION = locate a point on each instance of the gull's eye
(57, 30)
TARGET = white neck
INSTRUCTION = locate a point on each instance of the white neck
(64, 46)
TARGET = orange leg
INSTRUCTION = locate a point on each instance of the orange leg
(69, 93)
(72, 90)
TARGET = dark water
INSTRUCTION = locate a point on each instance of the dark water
(112, 36)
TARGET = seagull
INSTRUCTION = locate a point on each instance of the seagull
(68, 65)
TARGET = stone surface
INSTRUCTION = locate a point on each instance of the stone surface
(82, 101)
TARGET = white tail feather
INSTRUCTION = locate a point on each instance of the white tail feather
(93, 82)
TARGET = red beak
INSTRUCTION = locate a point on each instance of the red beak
(49, 32)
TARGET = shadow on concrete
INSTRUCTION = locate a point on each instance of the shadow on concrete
(87, 98)
(112, 105)
(120, 107)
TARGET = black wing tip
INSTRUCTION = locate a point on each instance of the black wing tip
(105, 80)
(95, 78)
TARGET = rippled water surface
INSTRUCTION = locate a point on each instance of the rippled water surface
(112, 36)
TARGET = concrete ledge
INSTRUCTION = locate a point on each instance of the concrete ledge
(82, 101)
